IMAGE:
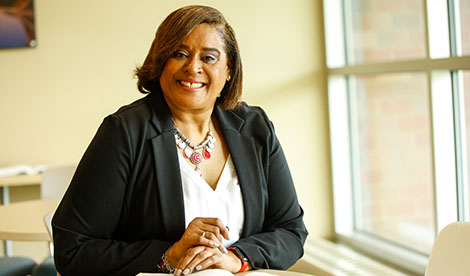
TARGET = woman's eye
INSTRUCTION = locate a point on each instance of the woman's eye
(209, 59)
(179, 55)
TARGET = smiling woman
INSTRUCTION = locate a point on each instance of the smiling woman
(187, 178)
(168, 39)
(196, 73)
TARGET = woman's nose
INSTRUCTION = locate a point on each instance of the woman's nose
(193, 66)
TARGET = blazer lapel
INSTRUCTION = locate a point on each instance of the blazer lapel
(243, 152)
(167, 171)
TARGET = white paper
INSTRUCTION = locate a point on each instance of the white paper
(214, 272)
(207, 272)
(257, 273)
(21, 169)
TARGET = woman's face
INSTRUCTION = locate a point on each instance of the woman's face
(197, 71)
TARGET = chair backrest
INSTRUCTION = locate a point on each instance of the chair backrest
(48, 223)
(55, 180)
(451, 251)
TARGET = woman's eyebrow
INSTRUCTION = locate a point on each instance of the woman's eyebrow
(183, 46)
(208, 49)
(205, 49)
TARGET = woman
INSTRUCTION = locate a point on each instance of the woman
(186, 178)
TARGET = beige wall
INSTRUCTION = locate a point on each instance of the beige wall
(53, 97)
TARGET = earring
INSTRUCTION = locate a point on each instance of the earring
(229, 78)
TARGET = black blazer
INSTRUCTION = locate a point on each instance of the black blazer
(124, 206)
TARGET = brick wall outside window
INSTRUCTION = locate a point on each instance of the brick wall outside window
(385, 30)
(393, 125)
(465, 26)
(396, 179)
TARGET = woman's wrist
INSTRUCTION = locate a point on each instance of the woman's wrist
(172, 256)
(164, 263)
(235, 262)
(241, 262)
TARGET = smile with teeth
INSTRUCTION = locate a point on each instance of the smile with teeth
(191, 84)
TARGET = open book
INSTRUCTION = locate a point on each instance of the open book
(216, 272)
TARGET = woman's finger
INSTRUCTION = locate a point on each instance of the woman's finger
(221, 228)
(213, 225)
(207, 239)
(194, 258)
(187, 257)
(200, 232)
(208, 262)
(229, 262)
(214, 242)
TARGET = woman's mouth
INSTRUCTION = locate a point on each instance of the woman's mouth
(192, 85)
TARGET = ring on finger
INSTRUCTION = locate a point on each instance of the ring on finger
(204, 234)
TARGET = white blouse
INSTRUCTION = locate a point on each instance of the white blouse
(225, 202)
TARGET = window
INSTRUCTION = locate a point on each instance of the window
(462, 23)
(386, 30)
(399, 104)
(394, 158)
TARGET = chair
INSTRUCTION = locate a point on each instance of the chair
(47, 267)
(16, 266)
(48, 223)
(450, 252)
(55, 180)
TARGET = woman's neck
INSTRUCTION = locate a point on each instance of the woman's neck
(194, 125)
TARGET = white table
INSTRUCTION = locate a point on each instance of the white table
(12, 181)
(23, 221)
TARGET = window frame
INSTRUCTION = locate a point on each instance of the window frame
(442, 66)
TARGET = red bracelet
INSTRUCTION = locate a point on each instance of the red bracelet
(164, 265)
(242, 258)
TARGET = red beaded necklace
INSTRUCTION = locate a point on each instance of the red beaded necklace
(190, 151)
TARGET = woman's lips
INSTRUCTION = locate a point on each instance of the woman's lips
(191, 84)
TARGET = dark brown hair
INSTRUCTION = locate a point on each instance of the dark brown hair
(172, 31)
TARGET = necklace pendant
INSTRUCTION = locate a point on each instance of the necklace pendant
(190, 151)
(187, 152)
(198, 171)
(207, 155)
(210, 145)
(196, 158)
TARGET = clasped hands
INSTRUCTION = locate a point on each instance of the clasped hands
(201, 247)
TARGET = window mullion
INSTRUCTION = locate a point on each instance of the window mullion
(348, 31)
(340, 154)
(444, 149)
(461, 146)
(355, 159)
(454, 28)
(438, 28)
(334, 33)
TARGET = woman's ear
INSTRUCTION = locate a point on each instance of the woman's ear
(229, 74)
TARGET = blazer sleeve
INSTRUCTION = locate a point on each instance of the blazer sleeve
(280, 243)
(86, 219)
